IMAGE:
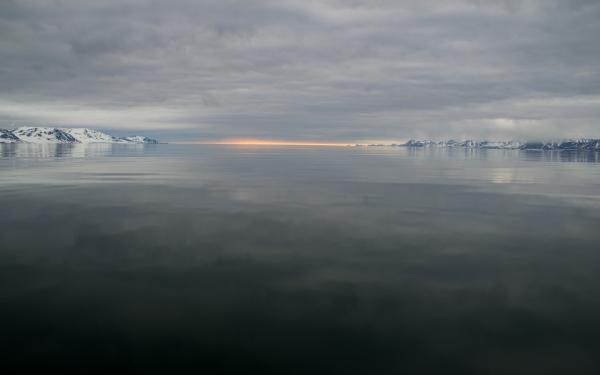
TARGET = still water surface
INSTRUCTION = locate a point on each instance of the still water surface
(299, 259)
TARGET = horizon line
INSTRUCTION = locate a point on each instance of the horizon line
(267, 142)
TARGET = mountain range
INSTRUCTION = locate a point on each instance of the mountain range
(569, 144)
(43, 135)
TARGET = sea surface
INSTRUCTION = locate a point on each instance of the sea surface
(299, 260)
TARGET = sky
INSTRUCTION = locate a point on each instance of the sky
(309, 70)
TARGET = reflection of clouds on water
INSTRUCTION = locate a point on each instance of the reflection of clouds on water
(561, 156)
(60, 150)
(58, 164)
(274, 167)
(502, 175)
(287, 254)
(258, 267)
(509, 176)
(244, 195)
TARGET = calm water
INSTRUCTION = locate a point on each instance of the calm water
(299, 260)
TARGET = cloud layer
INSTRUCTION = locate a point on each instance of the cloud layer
(301, 69)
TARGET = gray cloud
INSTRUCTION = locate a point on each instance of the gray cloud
(331, 69)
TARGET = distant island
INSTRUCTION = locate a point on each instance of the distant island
(49, 135)
(570, 144)
(45, 135)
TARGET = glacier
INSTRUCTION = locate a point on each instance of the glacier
(44, 135)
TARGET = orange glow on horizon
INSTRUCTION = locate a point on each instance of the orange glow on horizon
(270, 142)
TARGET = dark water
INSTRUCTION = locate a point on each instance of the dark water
(299, 260)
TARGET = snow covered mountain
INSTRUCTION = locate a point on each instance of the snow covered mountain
(6, 136)
(138, 139)
(465, 144)
(42, 135)
(419, 143)
(91, 136)
(571, 144)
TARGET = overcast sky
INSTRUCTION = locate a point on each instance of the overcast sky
(301, 69)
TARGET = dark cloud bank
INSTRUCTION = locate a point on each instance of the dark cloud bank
(332, 69)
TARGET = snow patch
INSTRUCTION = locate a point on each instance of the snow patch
(45, 135)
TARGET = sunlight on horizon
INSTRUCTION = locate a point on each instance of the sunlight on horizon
(269, 142)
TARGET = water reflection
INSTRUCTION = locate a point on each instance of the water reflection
(225, 260)
(562, 156)
(37, 151)
(479, 154)
(8, 151)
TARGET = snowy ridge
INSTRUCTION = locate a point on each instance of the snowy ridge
(465, 144)
(569, 144)
(43, 135)
(6, 136)
(138, 139)
(90, 136)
